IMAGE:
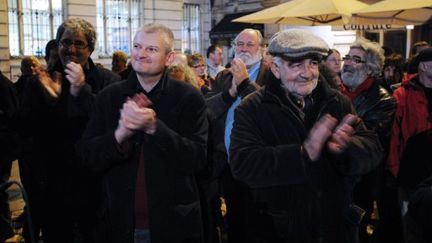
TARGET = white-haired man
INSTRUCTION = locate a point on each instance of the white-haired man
(299, 147)
(245, 76)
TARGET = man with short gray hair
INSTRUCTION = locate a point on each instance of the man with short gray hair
(149, 135)
(299, 146)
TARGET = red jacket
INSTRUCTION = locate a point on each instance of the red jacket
(411, 118)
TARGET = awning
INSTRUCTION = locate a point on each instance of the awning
(227, 29)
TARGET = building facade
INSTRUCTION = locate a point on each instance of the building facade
(26, 25)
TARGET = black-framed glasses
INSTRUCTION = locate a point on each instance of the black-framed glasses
(354, 59)
(78, 44)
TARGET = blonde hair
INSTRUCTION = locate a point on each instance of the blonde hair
(27, 63)
(183, 73)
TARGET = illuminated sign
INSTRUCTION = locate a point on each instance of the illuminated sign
(367, 27)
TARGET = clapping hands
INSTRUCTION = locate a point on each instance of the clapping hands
(134, 116)
(327, 133)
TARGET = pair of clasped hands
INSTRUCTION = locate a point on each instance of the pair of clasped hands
(135, 115)
(328, 133)
(52, 84)
(239, 71)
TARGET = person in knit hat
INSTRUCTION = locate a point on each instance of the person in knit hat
(299, 146)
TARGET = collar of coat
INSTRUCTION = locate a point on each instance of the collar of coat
(133, 86)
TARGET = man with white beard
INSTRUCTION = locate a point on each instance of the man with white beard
(376, 107)
(245, 76)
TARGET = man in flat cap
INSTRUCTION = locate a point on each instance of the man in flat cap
(300, 147)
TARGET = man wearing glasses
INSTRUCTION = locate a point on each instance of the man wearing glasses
(361, 80)
(245, 75)
(55, 109)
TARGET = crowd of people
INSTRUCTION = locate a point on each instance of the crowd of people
(289, 142)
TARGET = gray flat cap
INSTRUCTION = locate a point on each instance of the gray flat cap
(295, 43)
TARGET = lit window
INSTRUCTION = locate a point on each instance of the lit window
(117, 22)
(190, 30)
(32, 23)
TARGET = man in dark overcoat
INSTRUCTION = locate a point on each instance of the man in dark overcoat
(149, 135)
(300, 147)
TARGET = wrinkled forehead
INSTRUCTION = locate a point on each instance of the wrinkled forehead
(248, 36)
(357, 51)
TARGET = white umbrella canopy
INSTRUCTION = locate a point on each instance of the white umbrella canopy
(395, 12)
(306, 13)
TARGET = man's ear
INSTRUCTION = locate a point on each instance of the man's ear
(170, 58)
(421, 66)
(275, 70)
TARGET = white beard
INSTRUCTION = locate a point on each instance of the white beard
(248, 58)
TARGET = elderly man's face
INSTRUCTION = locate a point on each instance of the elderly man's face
(73, 48)
(149, 56)
(247, 48)
(299, 78)
(354, 70)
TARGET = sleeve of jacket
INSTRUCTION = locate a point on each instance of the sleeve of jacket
(98, 147)
(81, 105)
(364, 152)
(396, 138)
(185, 147)
(258, 163)
(380, 118)
(219, 100)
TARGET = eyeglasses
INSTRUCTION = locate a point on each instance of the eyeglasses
(78, 44)
(354, 59)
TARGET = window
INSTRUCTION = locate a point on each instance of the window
(117, 22)
(190, 30)
(32, 23)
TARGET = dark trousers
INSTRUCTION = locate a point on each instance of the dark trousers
(365, 193)
(5, 216)
(389, 227)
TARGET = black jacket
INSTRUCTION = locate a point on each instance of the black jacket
(9, 144)
(308, 201)
(50, 128)
(172, 157)
(377, 109)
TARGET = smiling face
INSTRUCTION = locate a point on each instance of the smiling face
(354, 69)
(300, 78)
(73, 47)
(149, 55)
